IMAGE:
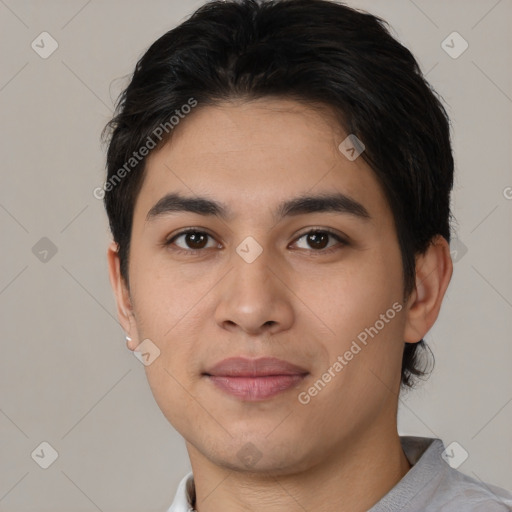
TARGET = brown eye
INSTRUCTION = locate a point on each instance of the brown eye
(190, 240)
(318, 240)
(196, 240)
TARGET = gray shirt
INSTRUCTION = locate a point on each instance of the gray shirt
(431, 485)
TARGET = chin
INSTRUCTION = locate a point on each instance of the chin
(258, 454)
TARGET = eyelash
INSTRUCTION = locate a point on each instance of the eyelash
(179, 250)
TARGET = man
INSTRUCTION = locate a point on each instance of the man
(278, 190)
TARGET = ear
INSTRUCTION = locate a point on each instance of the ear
(434, 270)
(122, 295)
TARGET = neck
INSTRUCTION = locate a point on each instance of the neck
(353, 478)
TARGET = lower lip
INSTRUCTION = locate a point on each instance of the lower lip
(253, 389)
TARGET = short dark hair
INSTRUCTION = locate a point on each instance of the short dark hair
(316, 52)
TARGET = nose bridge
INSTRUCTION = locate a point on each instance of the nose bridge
(251, 262)
(252, 295)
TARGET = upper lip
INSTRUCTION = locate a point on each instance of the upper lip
(246, 367)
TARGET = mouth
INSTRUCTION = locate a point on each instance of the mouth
(255, 380)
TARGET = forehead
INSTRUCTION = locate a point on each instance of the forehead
(250, 155)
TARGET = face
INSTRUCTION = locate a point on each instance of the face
(316, 285)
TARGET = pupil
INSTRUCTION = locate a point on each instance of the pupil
(314, 240)
(192, 240)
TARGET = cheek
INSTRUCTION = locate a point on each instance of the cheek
(167, 293)
(351, 296)
(170, 391)
(169, 312)
(173, 327)
(361, 305)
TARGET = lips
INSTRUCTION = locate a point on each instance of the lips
(262, 367)
(255, 379)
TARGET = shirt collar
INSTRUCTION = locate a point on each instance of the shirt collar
(185, 495)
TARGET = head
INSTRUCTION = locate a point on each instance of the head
(245, 117)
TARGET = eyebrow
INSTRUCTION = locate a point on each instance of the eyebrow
(337, 202)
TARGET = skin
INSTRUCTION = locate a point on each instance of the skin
(296, 302)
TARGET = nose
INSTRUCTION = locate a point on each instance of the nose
(254, 297)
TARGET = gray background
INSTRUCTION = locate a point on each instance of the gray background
(65, 375)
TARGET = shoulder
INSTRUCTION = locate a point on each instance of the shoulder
(462, 492)
(433, 485)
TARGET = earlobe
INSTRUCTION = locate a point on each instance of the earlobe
(433, 273)
(130, 344)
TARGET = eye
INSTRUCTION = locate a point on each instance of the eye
(318, 240)
(191, 240)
